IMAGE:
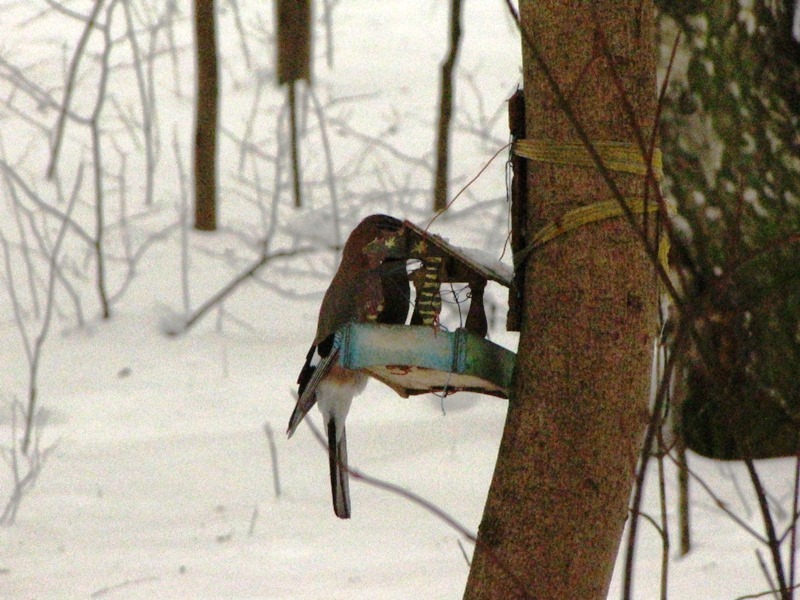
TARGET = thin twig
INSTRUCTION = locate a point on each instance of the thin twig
(15, 303)
(237, 20)
(125, 584)
(399, 491)
(184, 221)
(35, 352)
(70, 86)
(245, 144)
(769, 526)
(793, 526)
(760, 594)
(469, 183)
(720, 504)
(273, 455)
(97, 164)
(662, 498)
(231, 286)
(147, 121)
(26, 253)
(253, 519)
(34, 462)
(656, 525)
(58, 7)
(379, 141)
(463, 552)
(45, 206)
(647, 148)
(762, 564)
(652, 427)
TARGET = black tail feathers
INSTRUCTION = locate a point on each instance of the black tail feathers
(340, 480)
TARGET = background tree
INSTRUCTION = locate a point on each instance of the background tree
(294, 39)
(446, 93)
(207, 103)
(730, 129)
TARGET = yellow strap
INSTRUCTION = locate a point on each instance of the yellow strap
(616, 156)
(592, 213)
(583, 215)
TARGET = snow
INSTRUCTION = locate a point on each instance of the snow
(488, 261)
(796, 22)
(160, 483)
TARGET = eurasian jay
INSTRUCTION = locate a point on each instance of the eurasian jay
(365, 288)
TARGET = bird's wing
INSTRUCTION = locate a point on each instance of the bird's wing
(314, 373)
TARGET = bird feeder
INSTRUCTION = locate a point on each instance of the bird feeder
(420, 357)
(415, 360)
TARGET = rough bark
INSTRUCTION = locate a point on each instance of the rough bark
(293, 32)
(559, 497)
(205, 139)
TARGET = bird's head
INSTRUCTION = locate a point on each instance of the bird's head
(374, 240)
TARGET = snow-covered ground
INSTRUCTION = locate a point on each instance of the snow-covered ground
(160, 483)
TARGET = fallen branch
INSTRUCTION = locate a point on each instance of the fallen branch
(127, 583)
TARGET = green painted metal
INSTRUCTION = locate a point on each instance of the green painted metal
(421, 359)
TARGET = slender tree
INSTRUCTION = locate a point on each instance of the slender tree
(207, 100)
(446, 93)
(559, 497)
(294, 38)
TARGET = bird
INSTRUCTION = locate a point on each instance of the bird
(366, 287)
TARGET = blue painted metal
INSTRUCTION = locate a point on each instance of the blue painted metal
(421, 359)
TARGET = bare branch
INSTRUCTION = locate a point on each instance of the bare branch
(760, 594)
(36, 350)
(147, 121)
(769, 526)
(97, 164)
(70, 85)
(273, 455)
(231, 286)
(43, 205)
(110, 589)
(237, 19)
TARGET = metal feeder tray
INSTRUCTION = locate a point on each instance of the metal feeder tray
(422, 359)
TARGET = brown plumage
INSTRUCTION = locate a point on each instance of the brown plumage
(364, 288)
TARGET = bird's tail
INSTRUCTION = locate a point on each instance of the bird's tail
(340, 480)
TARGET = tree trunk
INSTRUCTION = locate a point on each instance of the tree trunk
(205, 139)
(559, 497)
(446, 92)
(293, 32)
